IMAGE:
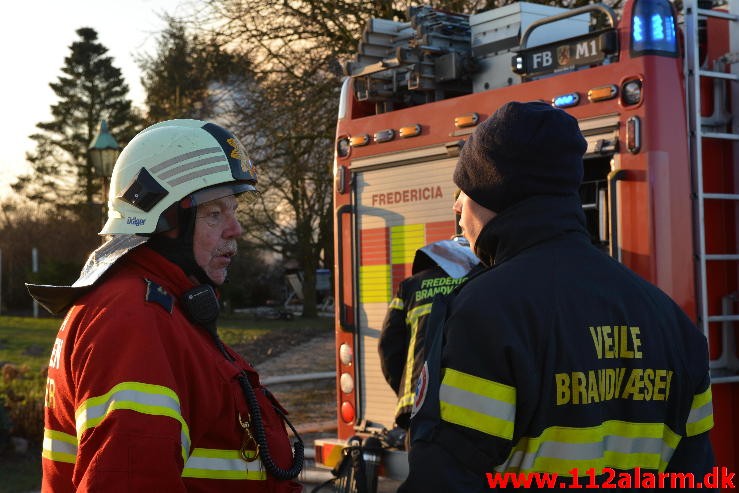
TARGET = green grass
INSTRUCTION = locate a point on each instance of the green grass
(20, 473)
(238, 330)
(26, 342)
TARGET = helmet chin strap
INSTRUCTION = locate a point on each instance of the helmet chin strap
(179, 250)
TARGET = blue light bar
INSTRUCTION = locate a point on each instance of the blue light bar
(566, 100)
(653, 28)
(637, 29)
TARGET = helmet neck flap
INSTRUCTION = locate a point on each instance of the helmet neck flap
(179, 250)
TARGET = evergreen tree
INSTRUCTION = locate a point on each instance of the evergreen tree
(90, 88)
(190, 77)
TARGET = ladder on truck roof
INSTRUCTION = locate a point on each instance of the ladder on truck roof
(726, 367)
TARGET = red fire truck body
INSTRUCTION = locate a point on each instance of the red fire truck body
(660, 187)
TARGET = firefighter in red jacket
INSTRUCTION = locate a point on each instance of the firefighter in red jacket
(141, 394)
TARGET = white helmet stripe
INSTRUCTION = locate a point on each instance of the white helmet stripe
(197, 174)
(192, 165)
(183, 157)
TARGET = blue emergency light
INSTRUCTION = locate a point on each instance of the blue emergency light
(566, 100)
(653, 28)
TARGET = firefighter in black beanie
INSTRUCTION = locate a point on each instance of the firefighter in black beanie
(558, 359)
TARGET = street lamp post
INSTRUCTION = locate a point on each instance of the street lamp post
(103, 152)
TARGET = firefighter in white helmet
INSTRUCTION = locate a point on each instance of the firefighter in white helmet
(142, 395)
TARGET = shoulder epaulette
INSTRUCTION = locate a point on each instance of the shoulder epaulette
(157, 294)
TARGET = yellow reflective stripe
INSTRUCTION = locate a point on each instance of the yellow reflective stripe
(616, 444)
(397, 304)
(700, 418)
(407, 389)
(374, 283)
(479, 385)
(405, 240)
(144, 398)
(222, 464)
(416, 313)
(476, 403)
(59, 446)
(405, 400)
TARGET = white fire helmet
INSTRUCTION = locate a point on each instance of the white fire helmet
(174, 160)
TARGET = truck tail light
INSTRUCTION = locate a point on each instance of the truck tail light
(633, 134)
(346, 382)
(346, 354)
(347, 412)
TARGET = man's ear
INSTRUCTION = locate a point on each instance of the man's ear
(172, 233)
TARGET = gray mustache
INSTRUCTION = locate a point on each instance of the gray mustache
(229, 248)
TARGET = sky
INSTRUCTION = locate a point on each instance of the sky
(35, 36)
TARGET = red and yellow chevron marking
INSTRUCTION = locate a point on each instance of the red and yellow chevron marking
(386, 256)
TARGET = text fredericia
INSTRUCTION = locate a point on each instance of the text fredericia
(407, 195)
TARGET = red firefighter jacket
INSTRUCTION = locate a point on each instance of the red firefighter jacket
(140, 399)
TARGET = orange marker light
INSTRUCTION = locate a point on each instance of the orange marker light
(466, 120)
(409, 131)
(602, 93)
(359, 140)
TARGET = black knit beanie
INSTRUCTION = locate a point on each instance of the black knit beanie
(521, 150)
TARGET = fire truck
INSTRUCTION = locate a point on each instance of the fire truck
(653, 90)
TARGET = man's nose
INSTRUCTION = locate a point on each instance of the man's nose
(234, 228)
(457, 206)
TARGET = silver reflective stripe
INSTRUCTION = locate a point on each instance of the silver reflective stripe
(700, 418)
(222, 464)
(59, 446)
(701, 412)
(190, 166)
(198, 174)
(562, 451)
(478, 403)
(143, 398)
(183, 157)
(146, 399)
(618, 444)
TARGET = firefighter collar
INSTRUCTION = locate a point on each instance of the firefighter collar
(455, 259)
(56, 299)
